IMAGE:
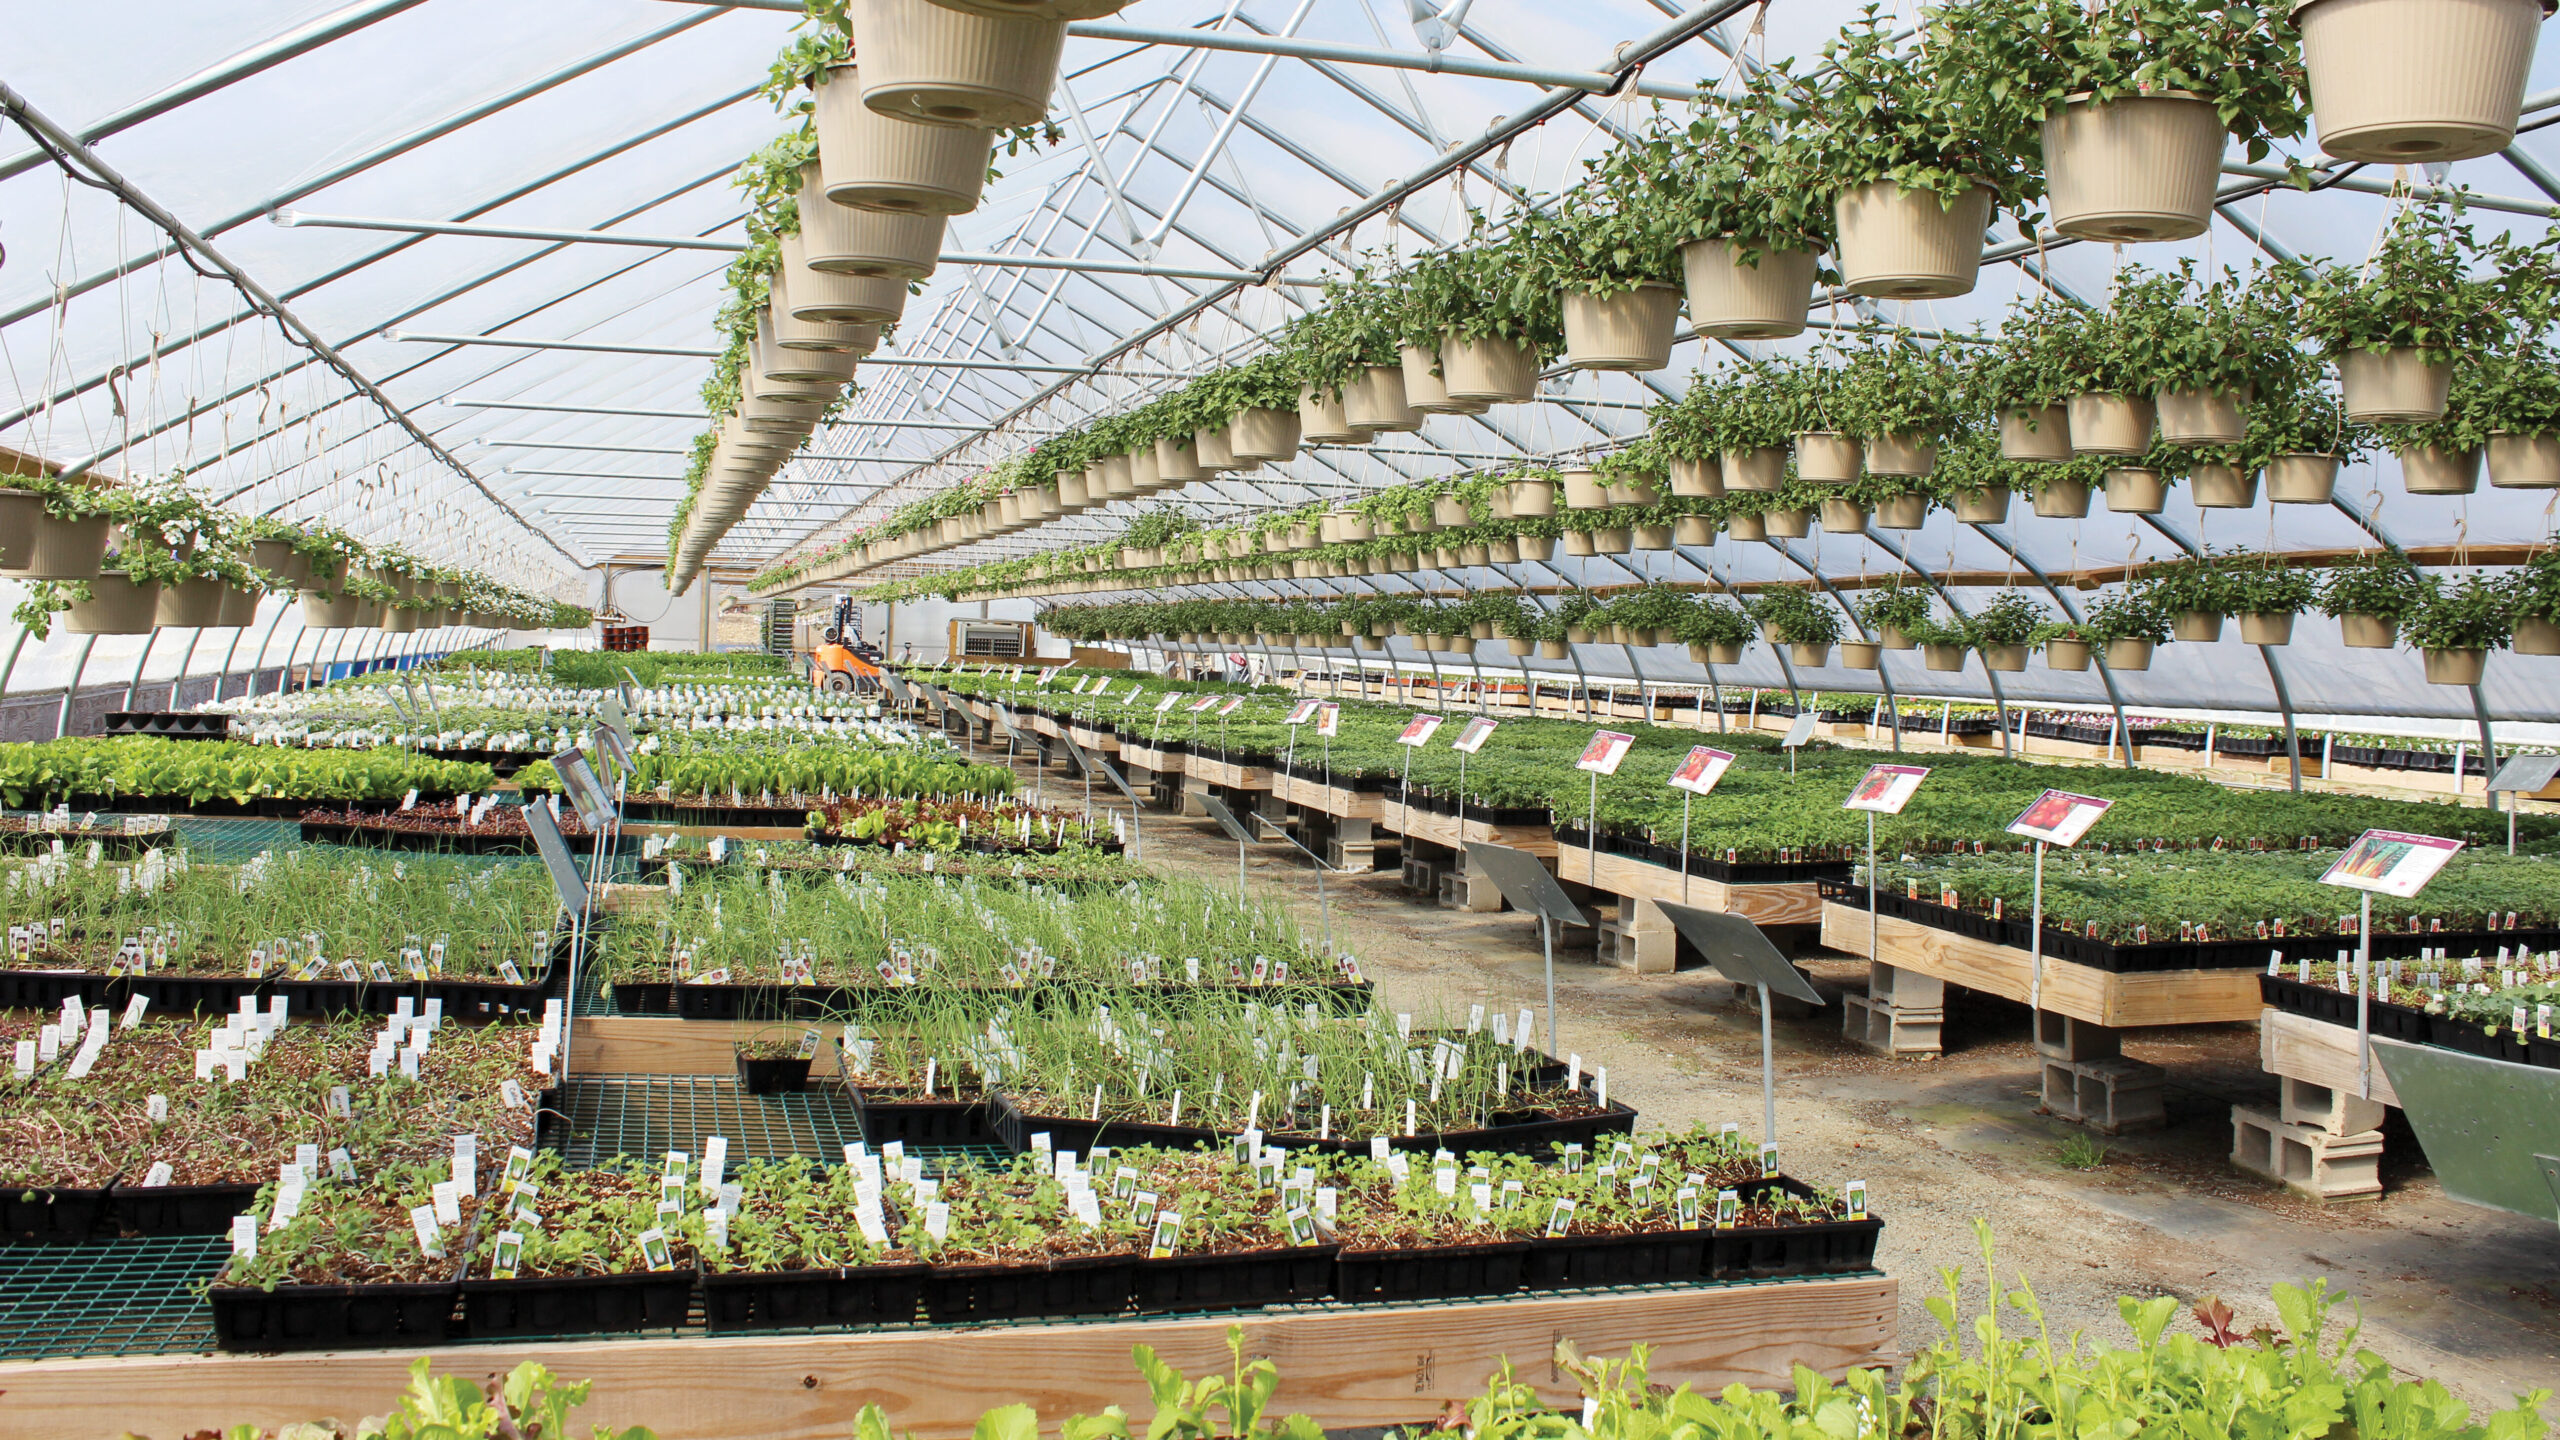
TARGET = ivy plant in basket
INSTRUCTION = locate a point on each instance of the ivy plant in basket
(2394, 324)
(1911, 151)
(2205, 349)
(2004, 629)
(2455, 626)
(2536, 605)
(2268, 593)
(2128, 104)
(2128, 624)
(1890, 612)
(1715, 624)
(2025, 376)
(1902, 401)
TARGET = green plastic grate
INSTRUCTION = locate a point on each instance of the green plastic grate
(235, 842)
(107, 1297)
(648, 1115)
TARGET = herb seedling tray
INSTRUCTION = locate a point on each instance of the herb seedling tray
(2338, 1007)
(576, 1304)
(926, 1122)
(1649, 1257)
(180, 1209)
(439, 842)
(855, 1295)
(333, 1317)
(1833, 1247)
(1243, 1280)
(1434, 1272)
(773, 1075)
(1706, 867)
(1059, 1288)
(57, 1215)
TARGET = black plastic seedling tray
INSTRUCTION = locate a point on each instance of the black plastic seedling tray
(333, 1317)
(860, 1295)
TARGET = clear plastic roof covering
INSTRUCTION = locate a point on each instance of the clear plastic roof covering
(630, 116)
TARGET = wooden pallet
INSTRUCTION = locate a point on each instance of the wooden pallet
(2099, 997)
(1788, 904)
(1148, 757)
(1345, 1367)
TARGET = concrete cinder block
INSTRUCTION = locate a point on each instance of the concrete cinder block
(2305, 1159)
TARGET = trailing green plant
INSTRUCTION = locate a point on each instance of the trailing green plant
(1879, 110)
(2008, 618)
(2421, 289)
(2475, 612)
(2384, 584)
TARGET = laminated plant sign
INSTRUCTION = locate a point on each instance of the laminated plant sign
(1605, 752)
(1328, 719)
(2388, 862)
(1887, 788)
(2059, 817)
(1167, 702)
(1699, 773)
(1302, 712)
(1230, 705)
(1203, 703)
(1419, 730)
(1471, 740)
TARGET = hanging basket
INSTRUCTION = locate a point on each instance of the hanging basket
(1578, 543)
(1945, 659)
(2216, 486)
(1809, 656)
(2434, 470)
(1215, 451)
(2110, 425)
(870, 161)
(2196, 626)
(1892, 637)
(1986, 506)
(925, 63)
(1747, 527)
(1697, 479)
(1533, 499)
(1502, 552)
(1904, 456)
(2133, 169)
(1554, 650)
(1375, 401)
(2266, 628)
(2302, 479)
(2008, 659)
(1693, 530)
(1902, 512)
(1537, 547)
(1861, 655)
(1488, 371)
(1653, 537)
(2060, 499)
(59, 549)
(1321, 420)
(118, 605)
(1788, 524)
(2132, 490)
(2401, 82)
(2536, 637)
(1631, 331)
(2201, 417)
(1424, 390)
(239, 607)
(1898, 244)
(190, 604)
(2394, 387)
(1038, 9)
(1584, 490)
(2066, 654)
(1827, 457)
(1733, 301)
(2129, 654)
(1763, 468)
(1612, 540)
(1844, 517)
(2524, 462)
(1257, 435)
(2368, 632)
(278, 558)
(839, 299)
(2036, 433)
(20, 512)
(2455, 667)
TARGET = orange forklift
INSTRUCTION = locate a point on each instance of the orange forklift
(841, 664)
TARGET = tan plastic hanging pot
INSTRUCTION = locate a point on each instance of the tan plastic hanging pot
(2134, 169)
(2008, 659)
(398, 620)
(2302, 479)
(2201, 417)
(2062, 499)
(1899, 455)
(2066, 654)
(1212, 451)
(329, 575)
(1321, 420)
(1861, 655)
(2402, 82)
(2196, 626)
(2266, 628)
(1696, 479)
(923, 62)
(1631, 331)
(1533, 499)
(279, 559)
(2395, 387)
(1375, 401)
(1945, 659)
(1844, 517)
(1488, 371)
(1761, 468)
(1584, 490)
(1578, 543)
(1502, 552)
(20, 512)
(1765, 300)
(793, 333)
(1145, 476)
(2215, 486)
(1986, 506)
(1537, 547)
(1809, 655)
(1693, 530)
(2110, 425)
(2134, 654)
(193, 604)
(2455, 667)
(1178, 461)
(1257, 435)
(2035, 434)
(1788, 524)
(1635, 489)
(1827, 458)
(59, 549)
(839, 299)
(1116, 480)
(1898, 244)
(878, 162)
(2536, 636)
(803, 367)
(117, 605)
(1613, 540)
(1902, 512)
(2133, 490)
(1425, 390)
(836, 240)
(2434, 470)
(1653, 537)
(2524, 462)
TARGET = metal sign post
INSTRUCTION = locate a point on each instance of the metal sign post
(1524, 881)
(1798, 735)
(1090, 763)
(1324, 910)
(1744, 956)
(1227, 821)
(2520, 776)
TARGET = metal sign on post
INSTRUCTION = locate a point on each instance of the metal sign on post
(1523, 880)
(1119, 782)
(1696, 776)
(1884, 791)
(1417, 733)
(1469, 741)
(2057, 817)
(1608, 748)
(2522, 775)
(578, 780)
(1226, 818)
(566, 882)
(1798, 736)
(2491, 1128)
(1743, 955)
(2395, 864)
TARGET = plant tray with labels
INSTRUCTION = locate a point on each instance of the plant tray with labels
(1236, 1280)
(333, 1317)
(1061, 1288)
(916, 1121)
(786, 1299)
(576, 1304)
(59, 1215)
(1703, 864)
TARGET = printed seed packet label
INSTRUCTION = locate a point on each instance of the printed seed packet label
(1573, 1158)
(715, 1229)
(1559, 1219)
(1124, 1182)
(937, 1220)
(1378, 1148)
(133, 1009)
(1168, 1233)
(422, 1219)
(1301, 1224)
(1086, 1208)
(512, 1094)
(1769, 1160)
(1142, 1209)
(715, 1160)
(1444, 1177)
(1855, 1193)
(448, 1202)
(1728, 1208)
(519, 1165)
(156, 1109)
(244, 1236)
(342, 1165)
(508, 1253)
(1685, 1202)
(408, 1065)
